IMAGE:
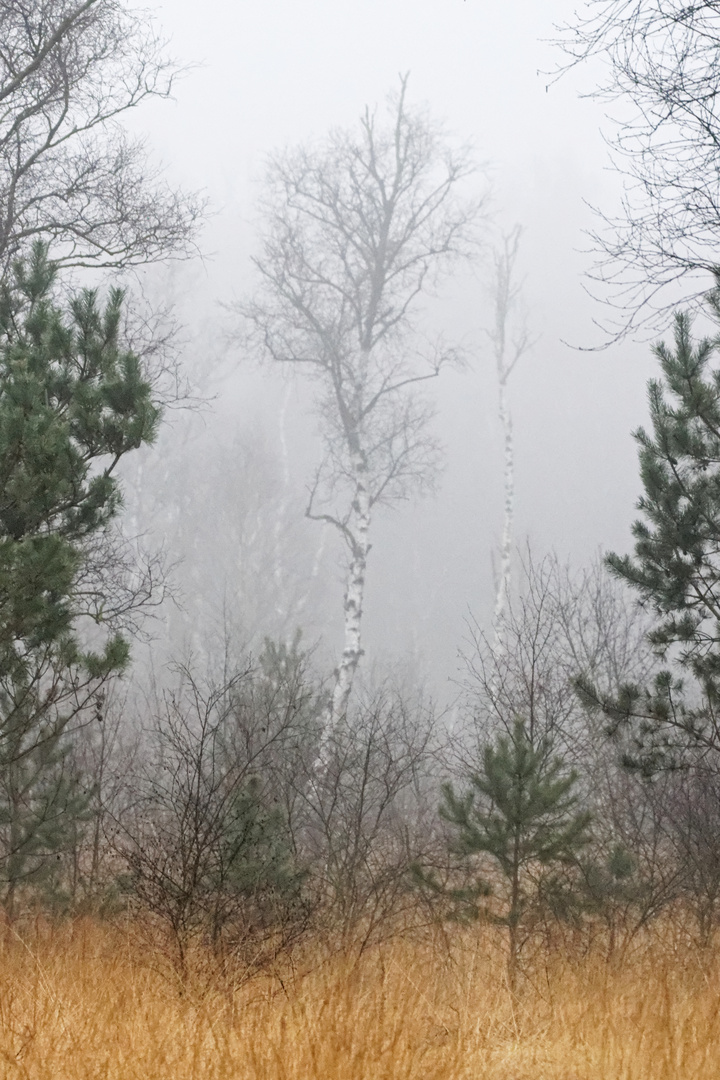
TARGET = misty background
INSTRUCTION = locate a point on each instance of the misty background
(226, 485)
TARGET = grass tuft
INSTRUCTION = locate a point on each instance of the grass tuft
(91, 1001)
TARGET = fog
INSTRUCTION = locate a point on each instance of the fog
(261, 76)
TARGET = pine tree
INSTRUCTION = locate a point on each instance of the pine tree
(253, 871)
(44, 801)
(676, 564)
(73, 402)
(522, 812)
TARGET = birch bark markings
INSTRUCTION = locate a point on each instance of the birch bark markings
(356, 230)
(354, 596)
(506, 292)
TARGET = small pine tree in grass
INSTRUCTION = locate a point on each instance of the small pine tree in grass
(73, 402)
(522, 812)
(253, 869)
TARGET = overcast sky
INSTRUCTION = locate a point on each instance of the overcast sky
(269, 73)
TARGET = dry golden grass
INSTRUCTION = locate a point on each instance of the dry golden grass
(82, 1001)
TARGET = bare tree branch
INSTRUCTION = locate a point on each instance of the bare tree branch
(68, 172)
(662, 64)
(357, 231)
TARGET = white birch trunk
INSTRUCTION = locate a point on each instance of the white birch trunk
(506, 296)
(357, 536)
(503, 588)
(354, 596)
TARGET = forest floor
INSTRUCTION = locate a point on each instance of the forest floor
(82, 1000)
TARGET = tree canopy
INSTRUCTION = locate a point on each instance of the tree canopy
(355, 233)
(69, 173)
(73, 402)
(659, 62)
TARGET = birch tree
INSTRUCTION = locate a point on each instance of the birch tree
(356, 230)
(508, 345)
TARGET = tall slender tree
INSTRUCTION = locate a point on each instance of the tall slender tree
(357, 229)
(509, 340)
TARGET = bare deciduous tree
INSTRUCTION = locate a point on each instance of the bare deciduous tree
(662, 59)
(560, 625)
(356, 230)
(509, 339)
(207, 840)
(69, 71)
(370, 813)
